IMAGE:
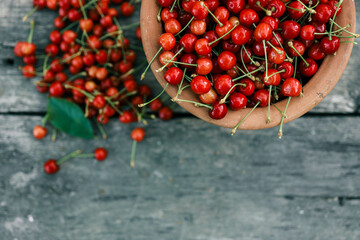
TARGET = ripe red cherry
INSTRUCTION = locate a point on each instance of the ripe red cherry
(27, 49)
(263, 31)
(315, 52)
(100, 154)
(319, 28)
(296, 14)
(172, 26)
(248, 17)
(226, 60)
(273, 22)
(173, 75)
(199, 11)
(323, 13)
(290, 29)
(247, 90)
(69, 36)
(51, 167)
(167, 41)
(222, 14)
(273, 78)
(155, 105)
(240, 35)
(237, 101)
(289, 70)
(221, 31)
(39, 132)
(165, 113)
(165, 3)
(56, 89)
(235, 6)
(307, 32)
(333, 5)
(261, 96)
(276, 7)
(202, 46)
(200, 85)
(127, 9)
(138, 134)
(291, 87)
(126, 117)
(300, 48)
(218, 111)
(167, 15)
(277, 56)
(329, 46)
(188, 42)
(198, 27)
(310, 70)
(223, 85)
(99, 101)
(204, 66)
(209, 97)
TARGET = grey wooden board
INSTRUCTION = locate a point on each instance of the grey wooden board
(19, 95)
(192, 181)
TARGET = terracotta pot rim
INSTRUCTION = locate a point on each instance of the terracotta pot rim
(315, 90)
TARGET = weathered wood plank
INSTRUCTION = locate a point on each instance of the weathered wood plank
(17, 95)
(249, 186)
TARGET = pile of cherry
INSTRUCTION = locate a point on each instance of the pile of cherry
(89, 62)
(238, 54)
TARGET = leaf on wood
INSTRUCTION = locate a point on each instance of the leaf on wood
(69, 118)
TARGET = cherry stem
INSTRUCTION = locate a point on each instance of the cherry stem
(349, 42)
(172, 7)
(185, 26)
(53, 136)
(277, 50)
(267, 77)
(296, 9)
(101, 129)
(354, 34)
(32, 27)
(228, 93)
(44, 120)
(242, 120)
(45, 64)
(181, 63)
(268, 120)
(81, 74)
(266, 60)
(30, 13)
(179, 87)
(112, 104)
(252, 61)
(71, 25)
(144, 104)
(82, 9)
(290, 44)
(163, 67)
(277, 39)
(333, 19)
(151, 61)
(312, 11)
(268, 12)
(236, 24)
(217, 20)
(282, 114)
(282, 119)
(249, 75)
(67, 157)
(158, 16)
(133, 151)
(88, 95)
(197, 104)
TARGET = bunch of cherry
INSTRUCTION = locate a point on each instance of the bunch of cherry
(237, 54)
(89, 62)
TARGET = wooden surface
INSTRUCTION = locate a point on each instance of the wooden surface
(192, 180)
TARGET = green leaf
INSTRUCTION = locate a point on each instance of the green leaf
(69, 118)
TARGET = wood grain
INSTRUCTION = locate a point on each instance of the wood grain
(249, 186)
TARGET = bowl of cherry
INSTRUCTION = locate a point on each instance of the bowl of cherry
(248, 64)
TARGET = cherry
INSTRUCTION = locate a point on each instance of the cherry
(173, 75)
(56, 89)
(329, 46)
(165, 113)
(222, 30)
(126, 117)
(272, 77)
(199, 10)
(127, 9)
(308, 70)
(263, 31)
(204, 66)
(156, 105)
(198, 27)
(258, 48)
(69, 36)
(245, 54)
(138, 134)
(99, 101)
(276, 7)
(172, 26)
(290, 29)
(213, 4)
(165, 3)
(27, 49)
(237, 101)
(218, 110)
(209, 97)
(73, 15)
(200, 85)
(226, 60)
(291, 87)
(248, 17)
(323, 13)
(307, 32)
(319, 28)
(296, 10)
(39, 132)
(277, 55)
(289, 70)
(273, 22)
(315, 52)
(100, 154)
(29, 60)
(167, 15)
(333, 5)
(240, 35)
(55, 37)
(254, 4)
(221, 14)
(51, 167)
(235, 6)
(300, 49)
(202, 46)
(167, 41)
(223, 84)
(261, 96)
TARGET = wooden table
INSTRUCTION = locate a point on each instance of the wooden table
(192, 180)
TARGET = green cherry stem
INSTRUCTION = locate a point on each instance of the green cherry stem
(30, 13)
(242, 120)
(185, 26)
(32, 27)
(217, 20)
(197, 104)
(67, 157)
(268, 120)
(282, 119)
(180, 89)
(290, 44)
(144, 104)
(101, 130)
(133, 151)
(163, 67)
(228, 93)
(236, 24)
(333, 19)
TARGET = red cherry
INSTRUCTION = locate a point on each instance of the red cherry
(218, 111)
(240, 35)
(165, 113)
(199, 10)
(289, 70)
(198, 27)
(273, 22)
(309, 70)
(226, 60)
(276, 7)
(204, 66)
(315, 52)
(277, 56)
(200, 85)
(56, 89)
(188, 42)
(165, 3)
(334, 7)
(167, 41)
(273, 78)
(300, 48)
(307, 32)
(202, 46)
(127, 9)
(235, 6)
(172, 26)
(247, 90)
(209, 97)
(173, 75)
(237, 101)
(155, 105)
(221, 31)
(167, 15)
(290, 29)
(51, 167)
(138, 134)
(291, 87)
(261, 96)
(39, 132)
(263, 31)
(299, 12)
(99, 101)
(223, 84)
(323, 13)
(248, 17)
(222, 14)
(329, 46)
(126, 117)
(100, 154)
